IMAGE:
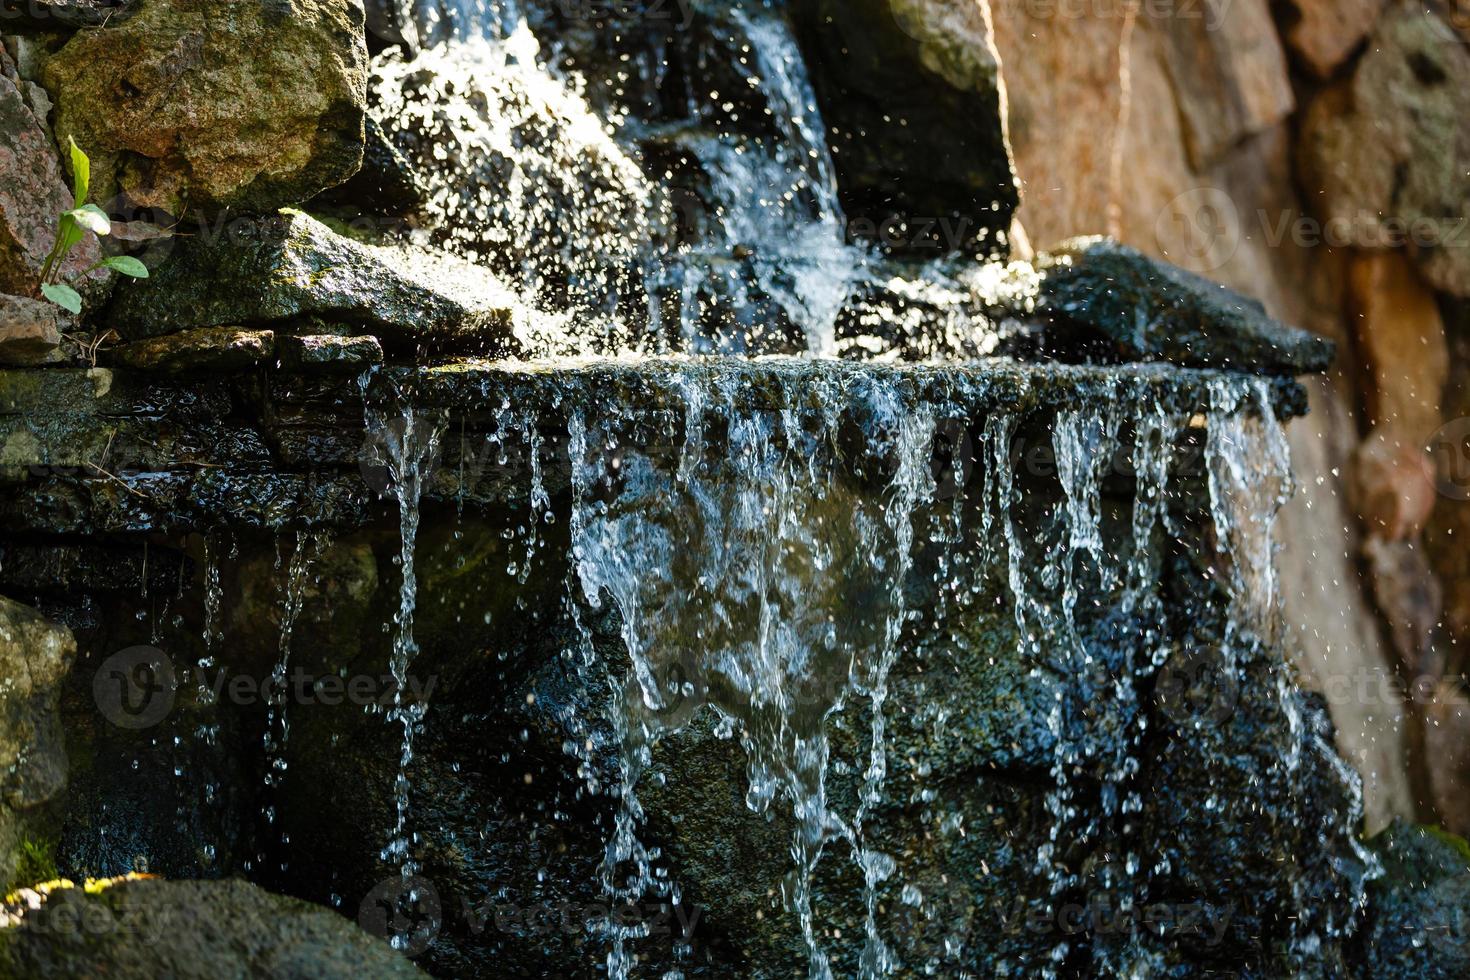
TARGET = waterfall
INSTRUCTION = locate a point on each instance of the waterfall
(514, 153)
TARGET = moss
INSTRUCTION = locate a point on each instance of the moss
(1453, 841)
(35, 861)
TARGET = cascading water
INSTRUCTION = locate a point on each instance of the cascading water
(760, 561)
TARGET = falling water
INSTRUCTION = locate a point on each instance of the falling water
(408, 444)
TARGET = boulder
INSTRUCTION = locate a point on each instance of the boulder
(911, 95)
(30, 331)
(33, 194)
(141, 927)
(245, 106)
(207, 350)
(1383, 152)
(35, 657)
(290, 265)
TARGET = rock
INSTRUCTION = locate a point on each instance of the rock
(207, 350)
(1150, 310)
(1324, 32)
(1383, 152)
(509, 156)
(910, 92)
(247, 107)
(35, 657)
(290, 265)
(1229, 74)
(1401, 339)
(22, 16)
(33, 194)
(386, 185)
(348, 355)
(30, 331)
(1419, 912)
(148, 928)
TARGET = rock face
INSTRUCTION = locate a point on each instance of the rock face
(247, 107)
(290, 266)
(149, 928)
(1385, 148)
(35, 657)
(912, 99)
(33, 193)
(30, 331)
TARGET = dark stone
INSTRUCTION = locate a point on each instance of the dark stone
(386, 186)
(1419, 919)
(1149, 310)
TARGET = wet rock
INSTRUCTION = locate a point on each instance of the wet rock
(35, 657)
(247, 107)
(33, 193)
(1419, 911)
(30, 332)
(207, 350)
(290, 265)
(1150, 310)
(328, 354)
(532, 162)
(1324, 32)
(910, 93)
(1383, 151)
(149, 927)
(387, 184)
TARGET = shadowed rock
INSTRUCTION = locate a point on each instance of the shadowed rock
(203, 351)
(290, 265)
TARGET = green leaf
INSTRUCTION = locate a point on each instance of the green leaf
(92, 218)
(127, 265)
(63, 296)
(68, 233)
(81, 173)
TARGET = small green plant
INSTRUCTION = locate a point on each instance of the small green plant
(71, 228)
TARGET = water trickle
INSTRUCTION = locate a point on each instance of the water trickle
(407, 442)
